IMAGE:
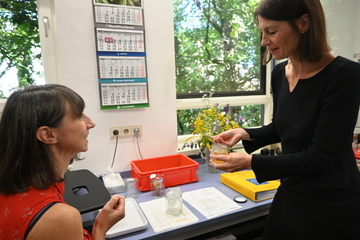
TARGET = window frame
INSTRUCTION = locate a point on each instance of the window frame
(250, 99)
(240, 98)
(260, 97)
(2, 104)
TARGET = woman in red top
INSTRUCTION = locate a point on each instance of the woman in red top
(41, 130)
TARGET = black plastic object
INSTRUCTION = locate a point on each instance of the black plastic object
(84, 191)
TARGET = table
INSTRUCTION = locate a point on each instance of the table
(249, 211)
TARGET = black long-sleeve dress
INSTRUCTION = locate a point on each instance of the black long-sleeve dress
(319, 196)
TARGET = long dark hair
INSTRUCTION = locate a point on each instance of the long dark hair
(24, 160)
(313, 44)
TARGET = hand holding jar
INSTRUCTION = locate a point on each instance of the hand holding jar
(219, 149)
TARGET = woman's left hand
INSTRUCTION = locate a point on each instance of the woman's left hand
(111, 213)
(232, 162)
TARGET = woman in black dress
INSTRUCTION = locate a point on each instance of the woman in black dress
(316, 98)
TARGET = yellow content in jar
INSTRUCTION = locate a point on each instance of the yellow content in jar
(219, 149)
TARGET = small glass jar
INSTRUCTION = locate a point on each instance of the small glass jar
(174, 201)
(355, 143)
(157, 185)
(131, 188)
(219, 149)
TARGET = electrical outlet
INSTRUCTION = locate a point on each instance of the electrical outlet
(125, 131)
(113, 130)
(128, 131)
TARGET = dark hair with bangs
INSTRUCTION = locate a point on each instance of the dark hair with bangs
(313, 44)
(24, 160)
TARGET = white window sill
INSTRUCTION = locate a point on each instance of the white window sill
(195, 151)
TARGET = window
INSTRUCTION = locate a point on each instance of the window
(217, 50)
(20, 54)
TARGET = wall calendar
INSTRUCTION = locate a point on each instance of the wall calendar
(121, 54)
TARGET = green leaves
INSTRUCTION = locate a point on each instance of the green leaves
(19, 37)
(217, 46)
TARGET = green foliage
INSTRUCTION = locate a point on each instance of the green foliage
(19, 37)
(217, 49)
(217, 46)
(244, 116)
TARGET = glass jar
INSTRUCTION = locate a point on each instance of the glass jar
(157, 185)
(131, 188)
(174, 201)
(219, 149)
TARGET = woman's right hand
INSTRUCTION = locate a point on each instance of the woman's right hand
(112, 212)
(231, 137)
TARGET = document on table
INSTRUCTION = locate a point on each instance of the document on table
(210, 202)
(155, 212)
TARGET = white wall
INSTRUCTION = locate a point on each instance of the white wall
(73, 46)
(343, 24)
(357, 27)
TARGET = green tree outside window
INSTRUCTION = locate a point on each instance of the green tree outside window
(217, 51)
(19, 39)
(217, 46)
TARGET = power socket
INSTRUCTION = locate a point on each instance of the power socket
(125, 131)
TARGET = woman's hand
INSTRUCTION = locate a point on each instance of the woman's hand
(112, 212)
(231, 137)
(232, 162)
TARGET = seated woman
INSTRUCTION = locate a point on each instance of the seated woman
(41, 130)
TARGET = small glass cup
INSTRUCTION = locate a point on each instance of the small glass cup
(174, 201)
(219, 149)
(157, 185)
(355, 141)
(131, 188)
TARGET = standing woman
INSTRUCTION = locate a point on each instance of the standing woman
(41, 130)
(316, 98)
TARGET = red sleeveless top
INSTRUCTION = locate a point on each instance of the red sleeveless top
(17, 211)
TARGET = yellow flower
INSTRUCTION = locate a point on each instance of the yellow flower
(210, 122)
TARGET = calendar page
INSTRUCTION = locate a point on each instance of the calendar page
(123, 95)
(118, 15)
(122, 67)
(125, 3)
(119, 40)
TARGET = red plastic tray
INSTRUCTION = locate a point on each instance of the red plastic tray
(357, 153)
(177, 169)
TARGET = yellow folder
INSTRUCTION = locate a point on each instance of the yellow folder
(245, 183)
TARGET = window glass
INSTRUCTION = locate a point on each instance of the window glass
(217, 48)
(218, 52)
(20, 56)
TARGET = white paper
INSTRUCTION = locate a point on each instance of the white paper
(210, 202)
(155, 212)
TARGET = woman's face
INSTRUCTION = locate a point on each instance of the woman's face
(279, 37)
(72, 134)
